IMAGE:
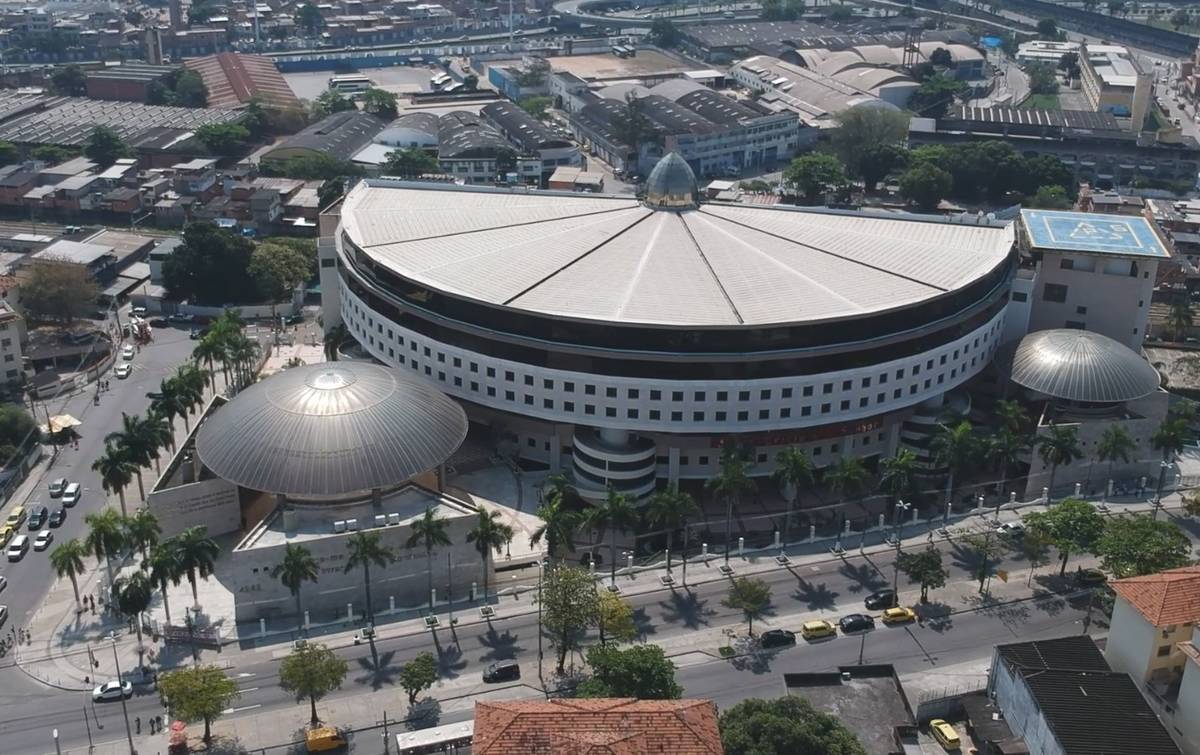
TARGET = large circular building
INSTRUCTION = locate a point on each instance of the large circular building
(627, 339)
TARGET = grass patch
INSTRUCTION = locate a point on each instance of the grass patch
(1041, 102)
(725, 651)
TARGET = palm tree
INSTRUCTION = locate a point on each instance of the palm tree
(560, 485)
(731, 483)
(132, 595)
(558, 526)
(160, 435)
(1060, 447)
(365, 548)
(209, 348)
(489, 535)
(614, 515)
(105, 537)
(67, 561)
(187, 392)
(334, 338)
(195, 381)
(1004, 448)
(898, 474)
(136, 445)
(142, 530)
(197, 555)
(164, 567)
(429, 531)
(241, 352)
(1169, 440)
(793, 469)
(1179, 318)
(116, 472)
(955, 447)
(298, 566)
(1115, 444)
(671, 509)
(1012, 415)
(167, 404)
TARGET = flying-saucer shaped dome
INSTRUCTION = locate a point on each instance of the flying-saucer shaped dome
(331, 430)
(671, 184)
(1078, 365)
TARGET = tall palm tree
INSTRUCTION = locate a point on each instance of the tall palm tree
(209, 348)
(730, 484)
(297, 567)
(845, 478)
(116, 472)
(67, 561)
(1115, 444)
(194, 381)
(105, 537)
(560, 485)
(1179, 317)
(793, 469)
(558, 526)
(365, 548)
(1169, 440)
(898, 474)
(135, 443)
(614, 515)
(132, 595)
(241, 352)
(1059, 447)
(165, 568)
(671, 509)
(197, 555)
(187, 393)
(1012, 415)
(955, 447)
(142, 530)
(167, 403)
(429, 531)
(489, 535)
(160, 435)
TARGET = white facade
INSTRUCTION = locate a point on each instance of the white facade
(1141, 649)
(12, 334)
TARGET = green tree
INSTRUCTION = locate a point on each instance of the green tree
(935, 95)
(898, 474)
(329, 102)
(489, 535)
(165, 568)
(418, 675)
(134, 442)
(297, 567)
(278, 269)
(131, 596)
(536, 105)
(1059, 447)
(9, 153)
(197, 555)
(116, 472)
(105, 146)
(664, 33)
(814, 174)
(470, 82)
(142, 531)
(429, 532)
(1034, 546)
(956, 447)
(309, 17)
(863, 134)
(614, 618)
(1115, 445)
(52, 154)
(793, 471)
(926, 185)
(1047, 28)
(1072, 526)
(69, 81)
(671, 509)
(1133, 546)
(941, 57)
(750, 596)
(1051, 198)
(380, 103)
(67, 561)
(223, 138)
(106, 536)
(1179, 318)
(558, 526)
(199, 693)
(55, 288)
(211, 266)
(614, 515)
(925, 568)
(311, 167)
(409, 162)
(332, 189)
(842, 13)
(570, 604)
(364, 549)
(731, 483)
(987, 547)
(643, 672)
(17, 428)
(1180, 18)
(190, 90)
(312, 671)
(1042, 78)
(787, 725)
(879, 161)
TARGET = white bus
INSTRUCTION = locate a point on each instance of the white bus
(454, 739)
(350, 83)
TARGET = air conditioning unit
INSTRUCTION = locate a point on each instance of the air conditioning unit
(339, 526)
(351, 525)
(393, 518)
(381, 520)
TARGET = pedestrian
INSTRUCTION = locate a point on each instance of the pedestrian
(137, 723)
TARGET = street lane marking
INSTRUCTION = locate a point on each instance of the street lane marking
(229, 711)
(249, 689)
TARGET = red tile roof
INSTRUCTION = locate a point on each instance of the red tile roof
(612, 726)
(233, 79)
(1169, 597)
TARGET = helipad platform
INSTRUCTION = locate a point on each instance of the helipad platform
(1092, 233)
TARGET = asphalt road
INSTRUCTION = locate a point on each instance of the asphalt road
(833, 588)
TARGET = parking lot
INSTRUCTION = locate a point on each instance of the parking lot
(396, 79)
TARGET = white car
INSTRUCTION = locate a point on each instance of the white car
(122, 370)
(127, 353)
(1012, 529)
(138, 311)
(113, 690)
(43, 540)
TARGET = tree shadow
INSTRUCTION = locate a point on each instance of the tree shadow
(423, 714)
(756, 662)
(816, 597)
(1009, 613)
(500, 647)
(936, 615)
(643, 623)
(866, 578)
(450, 660)
(1048, 602)
(378, 676)
(687, 609)
(967, 559)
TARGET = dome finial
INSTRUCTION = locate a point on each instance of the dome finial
(671, 185)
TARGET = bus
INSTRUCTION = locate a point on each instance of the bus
(350, 83)
(454, 739)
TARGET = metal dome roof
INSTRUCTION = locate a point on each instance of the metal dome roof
(1078, 365)
(671, 184)
(331, 430)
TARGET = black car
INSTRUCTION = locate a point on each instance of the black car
(57, 517)
(37, 517)
(293, 319)
(856, 622)
(776, 638)
(1090, 577)
(881, 599)
(502, 671)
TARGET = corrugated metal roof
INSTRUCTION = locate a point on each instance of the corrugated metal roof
(331, 430)
(1079, 365)
(611, 258)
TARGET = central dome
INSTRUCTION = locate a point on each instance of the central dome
(672, 184)
(331, 430)
(1079, 365)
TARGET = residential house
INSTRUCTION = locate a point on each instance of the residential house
(12, 336)
(196, 178)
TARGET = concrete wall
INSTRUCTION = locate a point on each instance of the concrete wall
(1021, 710)
(1132, 641)
(1186, 717)
(212, 503)
(1103, 296)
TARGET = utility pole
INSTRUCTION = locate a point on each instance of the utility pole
(124, 706)
(541, 573)
(88, 724)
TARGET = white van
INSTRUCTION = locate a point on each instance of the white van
(18, 547)
(70, 495)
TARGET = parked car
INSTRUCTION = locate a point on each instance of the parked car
(945, 735)
(776, 638)
(366, 634)
(113, 690)
(138, 311)
(177, 317)
(57, 486)
(127, 352)
(1090, 577)
(1012, 529)
(37, 517)
(502, 671)
(880, 599)
(899, 615)
(57, 517)
(123, 370)
(816, 629)
(43, 540)
(18, 547)
(856, 622)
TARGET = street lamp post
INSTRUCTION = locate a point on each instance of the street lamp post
(124, 706)
(900, 506)
(1163, 466)
(541, 572)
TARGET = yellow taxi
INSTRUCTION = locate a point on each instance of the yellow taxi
(6, 533)
(944, 733)
(899, 615)
(816, 629)
(16, 517)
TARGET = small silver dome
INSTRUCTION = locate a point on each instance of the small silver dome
(672, 184)
(1078, 365)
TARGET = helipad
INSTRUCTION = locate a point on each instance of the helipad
(1092, 233)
